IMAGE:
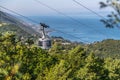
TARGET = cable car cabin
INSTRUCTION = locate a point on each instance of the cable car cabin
(44, 43)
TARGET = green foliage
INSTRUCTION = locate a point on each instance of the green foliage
(93, 69)
(21, 61)
(29, 62)
(58, 72)
(113, 66)
(106, 48)
(114, 17)
(10, 27)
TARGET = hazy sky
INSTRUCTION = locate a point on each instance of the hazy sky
(30, 7)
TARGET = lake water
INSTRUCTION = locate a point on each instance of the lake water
(90, 30)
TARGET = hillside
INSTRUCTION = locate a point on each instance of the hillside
(9, 22)
(18, 31)
(106, 48)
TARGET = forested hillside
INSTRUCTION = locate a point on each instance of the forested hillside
(20, 61)
(106, 48)
(14, 28)
(9, 22)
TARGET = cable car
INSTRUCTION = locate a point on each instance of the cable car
(45, 41)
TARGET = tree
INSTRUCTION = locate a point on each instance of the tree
(93, 69)
(113, 67)
(59, 72)
(21, 62)
(113, 19)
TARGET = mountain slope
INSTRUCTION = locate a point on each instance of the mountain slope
(8, 20)
(106, 48)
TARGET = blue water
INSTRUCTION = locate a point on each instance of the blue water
(92, 30)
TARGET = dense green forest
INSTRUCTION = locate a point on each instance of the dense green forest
(19, 61)
(106, 48)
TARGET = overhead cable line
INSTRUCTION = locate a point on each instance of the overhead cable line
(88, 9)
(38, 23)
(77, 21)
(53, 9)
(72, 36)
(21, 24)
(19, 14)
(80, 4)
